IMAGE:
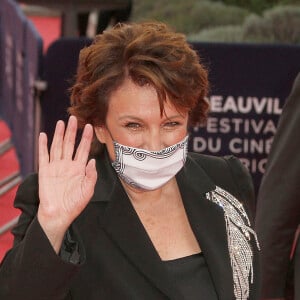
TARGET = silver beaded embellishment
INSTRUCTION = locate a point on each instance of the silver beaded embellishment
(238, 235)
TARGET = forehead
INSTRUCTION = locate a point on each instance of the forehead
(131, 98)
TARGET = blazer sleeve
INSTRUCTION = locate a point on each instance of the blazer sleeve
(278, 204)
(32, 269)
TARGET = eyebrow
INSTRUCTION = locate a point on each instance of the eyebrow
(139, 119)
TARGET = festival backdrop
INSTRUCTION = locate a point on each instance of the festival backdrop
(249, 85)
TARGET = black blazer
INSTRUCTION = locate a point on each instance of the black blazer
(278, 204)
(117, 260)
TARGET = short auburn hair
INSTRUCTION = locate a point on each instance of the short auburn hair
(147, 53)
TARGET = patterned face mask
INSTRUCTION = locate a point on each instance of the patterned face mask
(149, 170)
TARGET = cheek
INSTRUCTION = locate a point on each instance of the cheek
(175, 137)
(135, 140)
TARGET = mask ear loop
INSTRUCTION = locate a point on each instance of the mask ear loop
(116, 146)
(115, 143)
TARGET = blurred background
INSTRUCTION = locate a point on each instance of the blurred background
(249, 21)
(255, 21)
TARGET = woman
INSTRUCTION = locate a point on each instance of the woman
(142, 219)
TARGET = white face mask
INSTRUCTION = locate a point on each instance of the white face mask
(149, 170)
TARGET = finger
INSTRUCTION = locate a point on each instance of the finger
(69, 138)
(43, 150)
(56, 146)
(90, 178)
(90, 171)
(84, 147)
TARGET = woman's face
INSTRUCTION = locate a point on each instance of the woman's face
(134, 119)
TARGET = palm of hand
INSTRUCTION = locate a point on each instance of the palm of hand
(63, 189)
(66, 184)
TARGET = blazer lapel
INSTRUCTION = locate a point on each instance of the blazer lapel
(122, 224)
(208, 224)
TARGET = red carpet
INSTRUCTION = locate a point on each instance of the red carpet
(48, 27)
(9, 181)
(9, 163)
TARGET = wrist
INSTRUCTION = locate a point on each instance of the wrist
(54, 229)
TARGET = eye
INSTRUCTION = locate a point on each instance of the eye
(133, 125)
(172, 124)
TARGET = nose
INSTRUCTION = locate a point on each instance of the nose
(153, 141)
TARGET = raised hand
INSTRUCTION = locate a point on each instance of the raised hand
(65, 184)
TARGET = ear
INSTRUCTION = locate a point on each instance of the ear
(101, 134)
